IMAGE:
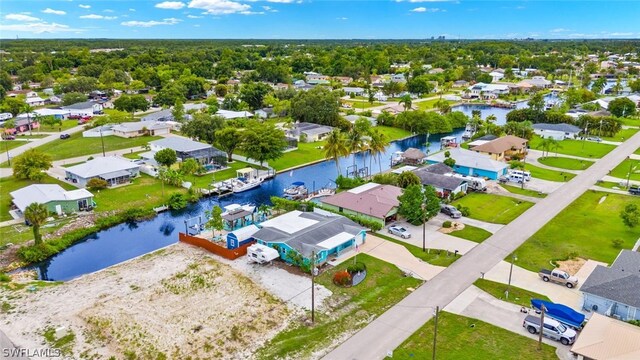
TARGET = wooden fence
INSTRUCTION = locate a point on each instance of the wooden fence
(214, 248)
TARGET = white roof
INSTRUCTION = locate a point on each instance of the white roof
(245, 232)
(335, 240)
(47, 112)
(403, 169)
(363, 188)
(290, 222)
(45, 193)
(138, 126)
(228, 114)
(33, 99)
(100, 166)
(470, 159)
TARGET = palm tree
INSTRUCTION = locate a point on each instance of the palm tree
(378, 144)
(406, 102)
(546, 144)
(555, 144)
(335, 147)
(354, 143)
(36, 214)
(28, 109)
(491, 118)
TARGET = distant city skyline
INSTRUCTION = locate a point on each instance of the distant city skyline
(319, 19)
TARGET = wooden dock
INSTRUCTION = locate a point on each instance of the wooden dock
(160, 209)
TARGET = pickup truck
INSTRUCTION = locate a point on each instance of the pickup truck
(558, 276)
(552, 329)
(561, 313)
(634, 190)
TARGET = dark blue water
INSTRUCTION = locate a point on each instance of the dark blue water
(126, 241)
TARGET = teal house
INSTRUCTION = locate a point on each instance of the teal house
(306, 233)
(54, 197)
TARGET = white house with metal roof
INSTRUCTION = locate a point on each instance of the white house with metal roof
(54, 197)
(141, 128)
(114, 170)
(556, 131)
(86, 108)
(471, 163)
(187, 148)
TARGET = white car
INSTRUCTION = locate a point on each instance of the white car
(399, 231)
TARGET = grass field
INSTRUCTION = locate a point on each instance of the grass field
(637, 151)
(622, 135)
(8, 145)
(472, 233)
(306, 153)
(581, 148)
(433, 257)
(547, 174)
(586, 229)
(134, 155)
(145, 191)
(66, 124)
(609, 185)
(493, 208)
(362, 104)
(77, 145)
(429, 104)
(20, 233)
(352, 309)
(521, 191)
(393, 133)
(622, 171)
(630, 122)
(461, 337)
(9, 184)
(565, 163)
(517, 295)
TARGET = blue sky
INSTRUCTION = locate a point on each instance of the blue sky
(319, 19)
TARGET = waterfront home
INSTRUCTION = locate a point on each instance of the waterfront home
(141, 128)
(228, 114)
(537, 82)
(434, 175)
(486, 91)
(114, 170)
(352, 119)
(613, 290)
(53, 197)
(556, 131)
(471, 163)
(309, 132)
(186, 149)
(356, 91)
(86, 108)
(371, 201)
(297, 235)
(606, 338)
(503, 148)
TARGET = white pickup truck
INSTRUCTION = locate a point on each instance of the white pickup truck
(552, 329)
(558, 276)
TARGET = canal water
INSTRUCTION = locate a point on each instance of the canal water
(126, 241)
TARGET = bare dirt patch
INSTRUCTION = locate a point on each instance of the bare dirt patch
(177, 303)
(455, 226)
(571, 266)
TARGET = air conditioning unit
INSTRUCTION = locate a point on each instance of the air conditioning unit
(616, 316)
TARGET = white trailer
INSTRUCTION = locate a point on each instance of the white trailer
(261, 254)
(474, 183)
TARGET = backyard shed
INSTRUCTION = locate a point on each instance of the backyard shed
(241, 236)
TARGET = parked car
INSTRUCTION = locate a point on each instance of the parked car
(9, 137)
(64, 136)
(558, 276)
(75, 117)
(552, 329)
(84, 120)
(399, 231)
(594, 138)
(451, 211)
(634, 190)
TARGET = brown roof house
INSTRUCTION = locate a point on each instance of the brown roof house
(413, 156)
(372, 201)
(607, 338)
(503, 148)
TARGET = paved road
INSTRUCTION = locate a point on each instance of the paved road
(390, 329)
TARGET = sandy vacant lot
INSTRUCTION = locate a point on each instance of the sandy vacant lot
(173, 304)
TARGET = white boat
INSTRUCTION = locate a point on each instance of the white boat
(296, 191)
(247, 179)
(468, 132)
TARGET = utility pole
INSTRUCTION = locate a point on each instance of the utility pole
(6, 147)
(424, 225)
(631, 168)
(313, 276)
(524, 168)
(513, 258)
(543, 309)
(435, 334)
(102, 141)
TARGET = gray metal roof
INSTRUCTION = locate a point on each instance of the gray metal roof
(81, 105)
(438, 181)
(439, 168)
(305, 240)
(620, 282)
(101, 166)
(162, 115)
(45, 193)
(179, 144)
(564, 127)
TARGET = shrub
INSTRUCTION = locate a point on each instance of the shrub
(446, 224)
(348, 183)
(464, 210)
(290, 205)
(342, 278)
(459, 195)
(97, 184)
(355, 268)
(90, 158)
(386, 178)
(4, 277)
(177, 201)
(617, 243)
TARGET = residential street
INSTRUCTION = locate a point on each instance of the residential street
(390, 329)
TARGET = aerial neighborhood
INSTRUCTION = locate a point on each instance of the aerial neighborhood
(173, 199)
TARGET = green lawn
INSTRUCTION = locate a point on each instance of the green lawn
(460, 337)
(362, 104)
(134, 155)
(20, 233)
(393, 133)
(581, 148)
(585, 229)
(145, 191)
(429, 104)
(622, 171)
(66, 124)
(493, 208)
(521, 191)
(433, 257)
(630, 122)
(565, 163)
(637, 151)
(472, 233)
(547, 174)
(11, 144)
(622, 135)
(609, 185)
(77, 145)
(9, 184)
(352, 309)
(306, 153)
(517, 295)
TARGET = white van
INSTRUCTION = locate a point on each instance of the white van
(517, 178)
(524, 174)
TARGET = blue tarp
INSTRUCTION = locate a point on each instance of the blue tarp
(297, 183)
(560, 312)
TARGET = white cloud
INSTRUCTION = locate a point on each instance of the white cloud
(21, 17)
(281, 1)
(426, 1)
(39, 28)
(194, 17)
(342, 18)
(169, 21)
(171, 5)
(54, 12)
(419, 9)
(248, 12)
(108, 11)
(98, 17)
(132, 9)
(85, 6)
(559, 30)
(269, 9)
(424, 9)
(219, 7)
(620, 34)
